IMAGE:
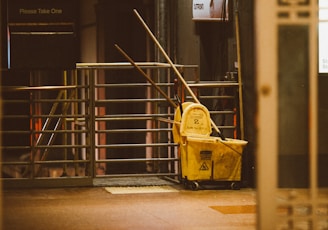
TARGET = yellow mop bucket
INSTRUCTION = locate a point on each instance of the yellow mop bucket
(204, 157)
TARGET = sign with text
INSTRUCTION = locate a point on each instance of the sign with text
(42, 34)
(210, 10)
(41, 11)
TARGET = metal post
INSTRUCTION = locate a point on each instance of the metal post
(64, 124)
(92, 122)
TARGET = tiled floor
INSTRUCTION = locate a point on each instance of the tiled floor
(97, 208)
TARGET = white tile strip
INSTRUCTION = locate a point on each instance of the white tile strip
(142, 189)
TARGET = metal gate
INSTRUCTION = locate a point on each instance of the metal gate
(103, 121)
(130, 137)
(47, 132)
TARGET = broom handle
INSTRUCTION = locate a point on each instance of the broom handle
(145, 75)
(174, 68)
(240, 87)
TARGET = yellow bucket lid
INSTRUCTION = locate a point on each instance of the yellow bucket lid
(195, 121)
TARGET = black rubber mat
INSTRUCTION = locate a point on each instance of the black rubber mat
(131, 181)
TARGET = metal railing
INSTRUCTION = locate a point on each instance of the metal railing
(46, 133)
(130, 140)
(104, 121)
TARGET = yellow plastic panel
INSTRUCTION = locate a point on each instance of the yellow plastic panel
(195, 121)
(212, 158)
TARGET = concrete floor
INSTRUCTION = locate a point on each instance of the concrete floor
(96, 208)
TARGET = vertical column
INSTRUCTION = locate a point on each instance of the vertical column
(267, 119)
(313, 108)
(161, 32)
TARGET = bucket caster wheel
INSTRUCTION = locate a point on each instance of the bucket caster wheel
(235, 186)
(194, 185)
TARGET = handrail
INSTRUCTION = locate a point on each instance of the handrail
(128, 65)
(45, 87)
(213, 84)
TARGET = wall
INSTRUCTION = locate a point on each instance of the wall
(88, 31)
(188, 41)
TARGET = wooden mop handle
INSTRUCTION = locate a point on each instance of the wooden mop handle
(166, 56)
(145, 75)
(173, 66)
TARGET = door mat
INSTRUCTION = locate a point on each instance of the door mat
(131, 181)
(238, 209)
(140, 189)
